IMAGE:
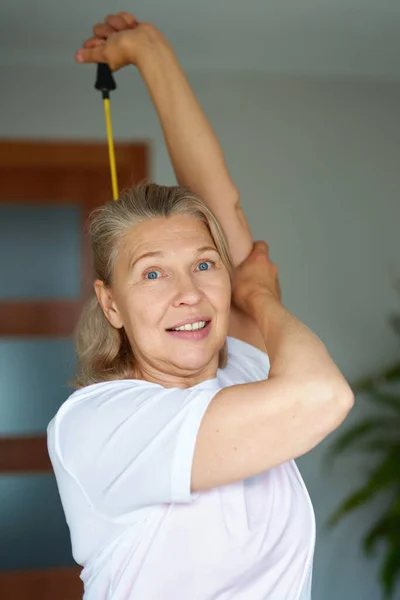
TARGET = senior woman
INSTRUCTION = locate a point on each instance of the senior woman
(174, 458)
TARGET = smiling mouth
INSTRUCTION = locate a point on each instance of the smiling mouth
(198, 326)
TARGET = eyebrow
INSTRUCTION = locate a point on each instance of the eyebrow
(159, 253)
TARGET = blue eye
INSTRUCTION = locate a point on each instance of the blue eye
(204, 265)
(152, 275)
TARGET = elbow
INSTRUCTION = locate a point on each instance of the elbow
(236, 201)
(235, 194)
(326, 402)
(339, 400)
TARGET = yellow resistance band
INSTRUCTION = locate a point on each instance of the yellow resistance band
(111, 154)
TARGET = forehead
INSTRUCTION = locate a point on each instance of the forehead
(167, 235)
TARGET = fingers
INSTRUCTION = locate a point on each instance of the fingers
(261, 248)
(129, 19)
(103, 30)
(261, 251)
(116, 22)
(92, 43)
(121, 21)
(113, 23)
(93, 49)
(91, 55)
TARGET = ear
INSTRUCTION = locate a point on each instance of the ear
(107, 303)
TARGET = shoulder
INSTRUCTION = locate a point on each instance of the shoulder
(98, 413)
(129, 443)
(104, 397)
(113, 400)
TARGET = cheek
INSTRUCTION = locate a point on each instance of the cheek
(220, 292)
(145, 307)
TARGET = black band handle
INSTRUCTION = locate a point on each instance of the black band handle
(105, 81)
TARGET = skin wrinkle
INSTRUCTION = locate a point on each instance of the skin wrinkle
(146, 308)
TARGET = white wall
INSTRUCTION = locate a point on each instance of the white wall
(317, 163)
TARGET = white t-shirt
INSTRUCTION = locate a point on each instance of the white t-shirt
(122, 453)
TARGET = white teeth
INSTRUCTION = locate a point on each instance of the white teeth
(191, 326)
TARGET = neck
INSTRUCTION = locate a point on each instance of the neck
(182, 380)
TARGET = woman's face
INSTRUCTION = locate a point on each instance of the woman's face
(169, 275)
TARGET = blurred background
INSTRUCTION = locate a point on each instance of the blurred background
(305, 98)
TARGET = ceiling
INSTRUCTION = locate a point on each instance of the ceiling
(326, 37)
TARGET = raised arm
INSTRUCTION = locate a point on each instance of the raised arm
(194, 149)
(195, 152)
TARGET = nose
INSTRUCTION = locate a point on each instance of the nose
(187, 292)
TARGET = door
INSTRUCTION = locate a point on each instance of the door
(47, 191)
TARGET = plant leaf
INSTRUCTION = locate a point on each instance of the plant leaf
(388, 375)
(388, 525)
(391, 568)
(380, 445)
(354, 434)
(379, 530)
(364, 385)
(387, 529)
(392, 374)
(382, 477)
(385, 399)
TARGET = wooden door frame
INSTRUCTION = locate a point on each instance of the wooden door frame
(61, 583)
(73, 153)
(58, 169)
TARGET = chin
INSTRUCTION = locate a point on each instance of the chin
(194, 360)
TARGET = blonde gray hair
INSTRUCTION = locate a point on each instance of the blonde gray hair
(104, 353)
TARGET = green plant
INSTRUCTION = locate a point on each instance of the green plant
(378, 436)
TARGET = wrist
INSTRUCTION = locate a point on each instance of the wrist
(153, 47)
(259, 303)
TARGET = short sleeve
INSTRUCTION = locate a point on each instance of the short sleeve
(246, 363)
(130, 444)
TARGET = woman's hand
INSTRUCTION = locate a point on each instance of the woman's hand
(257, 275)
(119, 41)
